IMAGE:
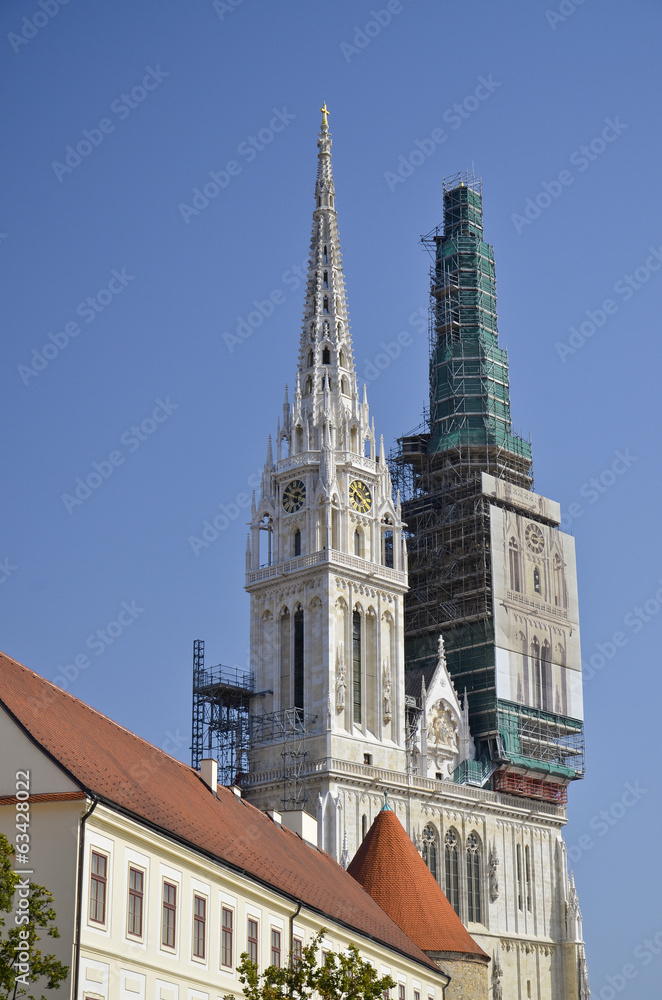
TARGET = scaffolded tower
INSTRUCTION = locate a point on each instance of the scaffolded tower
(221, 699)
(440, 471)
(224, 729)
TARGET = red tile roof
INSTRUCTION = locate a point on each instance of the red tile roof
(118, 767)
(389, 867)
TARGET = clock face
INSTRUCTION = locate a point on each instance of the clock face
(359, 496)
(534, 538)
(294, 496)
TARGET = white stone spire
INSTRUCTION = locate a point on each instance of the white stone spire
(325, 354)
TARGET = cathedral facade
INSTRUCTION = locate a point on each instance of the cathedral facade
(422, 641)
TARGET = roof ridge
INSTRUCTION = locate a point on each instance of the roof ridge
(90, 708)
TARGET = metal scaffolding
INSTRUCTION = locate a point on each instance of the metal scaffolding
(289, 727)
(221, 704)
(225, 729)
(437, 468)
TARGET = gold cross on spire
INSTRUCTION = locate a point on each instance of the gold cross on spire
(325, 114)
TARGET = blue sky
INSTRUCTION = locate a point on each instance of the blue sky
(122, 306)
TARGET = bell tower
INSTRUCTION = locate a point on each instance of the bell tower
(326, 565)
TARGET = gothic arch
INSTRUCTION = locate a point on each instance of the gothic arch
(452, 868)
(514, 564)
(474, 866)
(430, 848)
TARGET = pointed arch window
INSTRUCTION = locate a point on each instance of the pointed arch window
(325, 256)
(326, 279)
(298, 660)
(559, 583)
(514, 562)
(309, 385)
(537, 678)
(452, 870)
(325, 304)
(430, 849)
(364, 826)
(310, 359)
(326, 356)
(341, 359)
(312, 331)
(546, 677)
(473, 878)
(527, 875)
(297, 542)
(344, 385)
(536, 580)
(387, 536)
(356, 666)
(358, 546)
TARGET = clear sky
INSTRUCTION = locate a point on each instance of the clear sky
(123, 297)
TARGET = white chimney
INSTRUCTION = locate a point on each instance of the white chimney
(209, 773)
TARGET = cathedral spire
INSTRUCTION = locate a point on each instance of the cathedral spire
(325, 355)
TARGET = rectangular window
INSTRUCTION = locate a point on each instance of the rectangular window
(169, 915)
(401, 991)
(136, 899)
(252, 940)
(199, 926)
(356, 666)
(227, 918)
(519, 878)
(297, 952)
(275, 948)
(98, 887)
(417, 995)
(324, 956)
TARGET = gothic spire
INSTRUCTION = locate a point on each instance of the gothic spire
(325, 355)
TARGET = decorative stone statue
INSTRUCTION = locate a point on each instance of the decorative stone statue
(497, 973)
(494, 875)
(341, 678)
(387, 691)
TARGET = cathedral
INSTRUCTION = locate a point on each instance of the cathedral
(414, 619)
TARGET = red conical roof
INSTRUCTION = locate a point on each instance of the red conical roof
(391, 870)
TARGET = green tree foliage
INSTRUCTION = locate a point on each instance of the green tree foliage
(343, 976)
(21, 961)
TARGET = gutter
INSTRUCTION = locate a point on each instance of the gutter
(292, 919)
(79, 893)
